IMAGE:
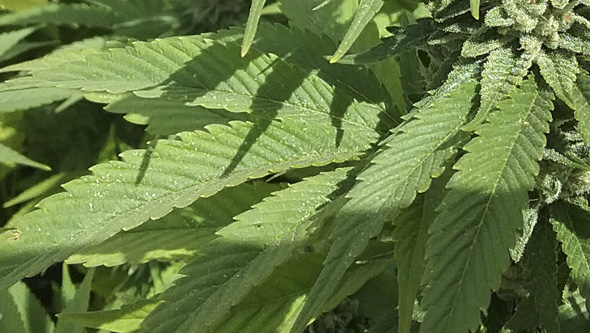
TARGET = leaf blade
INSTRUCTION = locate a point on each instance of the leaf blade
(365, 13)
(507, 150)
(252, 25)
(410, 158)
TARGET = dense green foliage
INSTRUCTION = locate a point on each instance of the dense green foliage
(307, 165)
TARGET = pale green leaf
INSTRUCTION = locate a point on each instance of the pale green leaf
(126, 319)
(7, 155)
(245, 255)
(474, 4)
(365, 13)
(571, 225)
(98, 16)
(542, 263)
(411, 234)
(495, 83)
(9, 39)
(65, 54)
(478, 219)
(482, 42)
(76, 302)
(252, 25)
(574, 43)
(315, 127)
(411, 156)
(579, 96)
(24, 47)
(198, 72)
(22, 312)
(559, 70)
(122, 195)
(12, 319)
(139, 18)
(17, 100)
(179, 235)
(176, 118)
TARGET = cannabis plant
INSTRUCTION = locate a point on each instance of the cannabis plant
(398, 166)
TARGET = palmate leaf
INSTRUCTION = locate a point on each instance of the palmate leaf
(179, 235)
(365, 13)
(411, 156)
(245, 255)
(197, 71)
(468, 249)
(570, 222)
(149, 184)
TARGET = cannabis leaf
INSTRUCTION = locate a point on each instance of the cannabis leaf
(479, 216)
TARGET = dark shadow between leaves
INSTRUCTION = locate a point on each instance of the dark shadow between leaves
(145, 162)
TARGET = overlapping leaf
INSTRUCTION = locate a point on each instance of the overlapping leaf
(411, 156)
(412, 36)
(365, 13)
(16, 100)
(495, 82)
(468, 249)
(411, 234)
(11, 38)
(8, 155)
(245, 255)
(179, 235)
(318, 128)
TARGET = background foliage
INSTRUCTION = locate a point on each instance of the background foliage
(294, 165)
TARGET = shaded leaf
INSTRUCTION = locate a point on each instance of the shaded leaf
(410, 157)
(478, 218)
(365, 13)
(11, 156)
(126, 319)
